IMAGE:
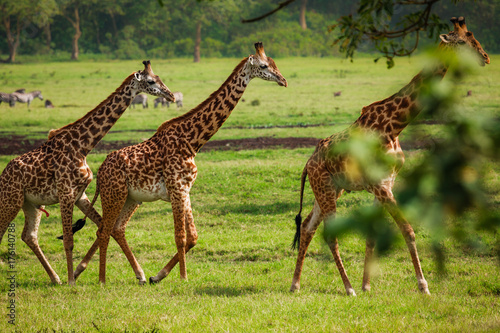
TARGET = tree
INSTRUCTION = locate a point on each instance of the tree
(203, 14)
(17, 15)
(71, 10)
(374, 21)
(302, 17)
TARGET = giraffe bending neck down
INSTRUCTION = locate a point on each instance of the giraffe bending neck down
(163, 168)
(329, 172)
(57, 172)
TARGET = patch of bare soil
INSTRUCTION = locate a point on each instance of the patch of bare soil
(17, 144)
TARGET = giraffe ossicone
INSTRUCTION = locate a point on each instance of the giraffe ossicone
(330, 173)
(57, 171)
(163, 168)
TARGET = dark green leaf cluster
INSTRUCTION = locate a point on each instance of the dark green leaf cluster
(394, 27)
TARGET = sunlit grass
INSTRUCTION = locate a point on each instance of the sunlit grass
(241, 269)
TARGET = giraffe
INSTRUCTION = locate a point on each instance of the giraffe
(163, 168)
(57, 171)
(329, 172)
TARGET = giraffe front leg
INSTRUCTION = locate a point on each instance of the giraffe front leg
(66, 206)
(191, 239)
(334, 247)
(387, 199)
(178, 210)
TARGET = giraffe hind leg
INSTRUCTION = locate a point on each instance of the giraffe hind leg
(11, 199)
(334, 248)
(119, 235)
(30, 237)
(113, 198)
(308, 229)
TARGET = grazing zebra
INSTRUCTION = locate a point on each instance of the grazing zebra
(8, 98)
(27, 97)
(160, 100)
(178, 99)
(140, 99)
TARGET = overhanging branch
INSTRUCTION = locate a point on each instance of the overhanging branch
(280, 6)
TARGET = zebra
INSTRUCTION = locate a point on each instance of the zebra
(8, 98)
(27, 97)
(140, 99)
(178, 99)
(160, 100)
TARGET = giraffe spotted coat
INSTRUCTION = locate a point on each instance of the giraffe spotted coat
(163, 168)
(331, 172)
(57, 172)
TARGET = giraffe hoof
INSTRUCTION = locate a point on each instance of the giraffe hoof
(425, 291)
(422, 286)
(151, 281)
(56, 282)
(350, 292)
(294, 288)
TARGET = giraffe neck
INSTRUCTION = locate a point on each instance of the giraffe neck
(394, 113)
(197, 126)
(84, 134)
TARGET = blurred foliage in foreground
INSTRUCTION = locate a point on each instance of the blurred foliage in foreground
(447, 189)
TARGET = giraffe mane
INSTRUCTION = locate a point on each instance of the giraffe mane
(203, 104)
(55, 132)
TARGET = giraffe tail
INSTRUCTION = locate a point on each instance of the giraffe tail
(298, 217)
(81, 222)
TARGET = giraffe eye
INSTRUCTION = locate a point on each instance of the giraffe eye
(461, 42)
(151, 82)
(263, 66)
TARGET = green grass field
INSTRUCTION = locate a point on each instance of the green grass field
(244, 203)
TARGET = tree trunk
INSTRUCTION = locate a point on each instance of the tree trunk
(12, 42)
(113, 23)
(76, 24)
(302, 17)
(48, 35)
(197, 43)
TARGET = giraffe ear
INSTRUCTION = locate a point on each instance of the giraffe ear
(138, 76)
(251, 59)
(444, 38)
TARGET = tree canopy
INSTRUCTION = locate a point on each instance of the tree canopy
(127, 29)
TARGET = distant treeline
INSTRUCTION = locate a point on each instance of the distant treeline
(126, 29)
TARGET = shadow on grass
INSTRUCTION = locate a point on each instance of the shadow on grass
(226, 291)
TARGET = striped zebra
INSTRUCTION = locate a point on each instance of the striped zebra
(140, 99)
(8, 98)
(27, 97)
(160, 100)
(178, 99)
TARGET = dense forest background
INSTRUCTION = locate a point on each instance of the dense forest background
(126, 29)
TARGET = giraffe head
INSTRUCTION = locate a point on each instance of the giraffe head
(461, 37)
(264, 67)
(148, 82)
